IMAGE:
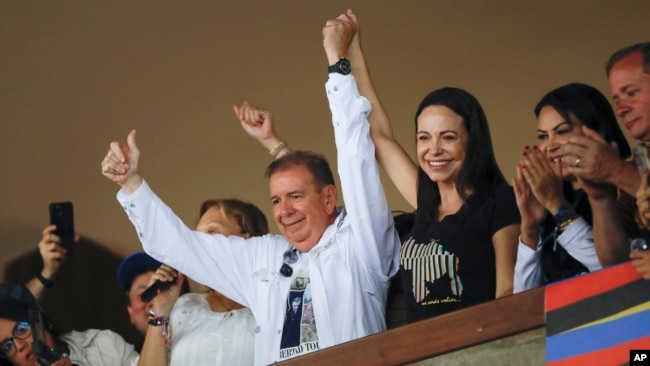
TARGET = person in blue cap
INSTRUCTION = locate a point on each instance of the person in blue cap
(133, 275)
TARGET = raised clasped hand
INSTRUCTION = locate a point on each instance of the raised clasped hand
(338, 34)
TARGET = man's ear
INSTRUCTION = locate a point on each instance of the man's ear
(331, 196)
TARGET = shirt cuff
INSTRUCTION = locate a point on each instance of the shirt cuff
(573, 231)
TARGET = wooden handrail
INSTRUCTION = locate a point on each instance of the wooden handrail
(432, 337)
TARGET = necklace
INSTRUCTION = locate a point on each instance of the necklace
(217, 296)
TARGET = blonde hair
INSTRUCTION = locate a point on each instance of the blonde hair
(249, 217)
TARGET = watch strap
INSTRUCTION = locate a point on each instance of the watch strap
(565, 212)
(46, 282)
(342, 66)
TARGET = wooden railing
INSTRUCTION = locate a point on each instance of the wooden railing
(436, 336)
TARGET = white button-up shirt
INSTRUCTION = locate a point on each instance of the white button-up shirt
(350, 267)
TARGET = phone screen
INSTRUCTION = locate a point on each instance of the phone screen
(61, 215)
(641, 158)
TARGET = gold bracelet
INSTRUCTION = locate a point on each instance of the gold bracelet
(565, 224)
(278, 148)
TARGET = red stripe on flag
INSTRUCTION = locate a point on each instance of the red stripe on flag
(582, 287)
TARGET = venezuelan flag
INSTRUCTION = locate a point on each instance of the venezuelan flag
(597, 318)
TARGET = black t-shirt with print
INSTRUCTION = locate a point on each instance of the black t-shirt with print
(449, 265)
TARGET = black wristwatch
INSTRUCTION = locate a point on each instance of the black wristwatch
(342, 66)
(564, 212)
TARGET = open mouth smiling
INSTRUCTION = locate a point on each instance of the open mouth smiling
(438, 163)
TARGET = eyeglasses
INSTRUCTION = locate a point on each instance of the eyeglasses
(21, 330)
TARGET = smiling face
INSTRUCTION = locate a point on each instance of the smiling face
(630, 87)
(553, 131)
(441, 143)
(301, 209)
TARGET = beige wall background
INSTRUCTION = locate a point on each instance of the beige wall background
(75, 75)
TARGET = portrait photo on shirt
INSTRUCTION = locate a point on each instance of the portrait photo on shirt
(299, 334)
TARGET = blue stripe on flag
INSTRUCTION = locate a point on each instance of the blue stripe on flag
(598, 336)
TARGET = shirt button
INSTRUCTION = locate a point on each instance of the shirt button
(336, 88)
(132, 205)
(279, 331)
(141, 235)
(257, 329)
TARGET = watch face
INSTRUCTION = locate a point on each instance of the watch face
(344, 66)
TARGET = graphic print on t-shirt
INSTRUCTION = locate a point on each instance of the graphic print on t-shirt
(299, 334)
(434, 271)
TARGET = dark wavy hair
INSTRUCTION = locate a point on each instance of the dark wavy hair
(643, 48)
(479, 171)
(591, 107)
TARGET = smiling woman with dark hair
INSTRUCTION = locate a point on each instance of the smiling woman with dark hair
(462, 247)
(569, 225)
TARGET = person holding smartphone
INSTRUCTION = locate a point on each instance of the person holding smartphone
(133, 275)
(18, 333)
(53, 255)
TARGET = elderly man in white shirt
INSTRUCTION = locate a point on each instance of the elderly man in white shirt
(338, 261)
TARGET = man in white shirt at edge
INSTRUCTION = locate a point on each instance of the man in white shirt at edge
(346, 256)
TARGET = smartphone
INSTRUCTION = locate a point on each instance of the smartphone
(45, 355)
(641, 158)
(639, 244)
(61, 215)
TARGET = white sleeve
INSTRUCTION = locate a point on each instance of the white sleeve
(111, 347)
(578, 240)
(376, 240)
(528, 268)
(220, 262)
